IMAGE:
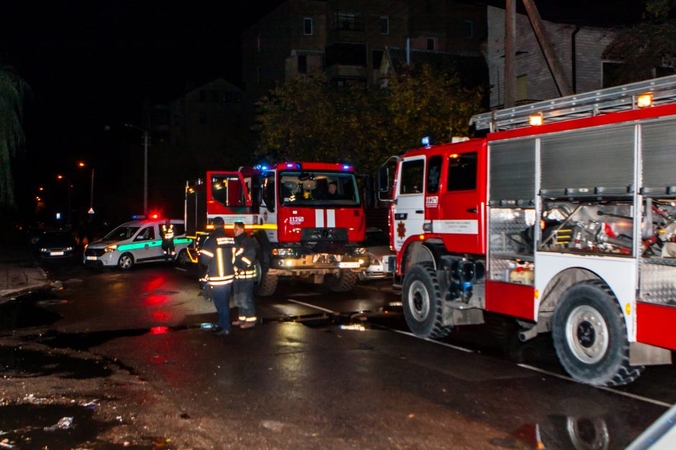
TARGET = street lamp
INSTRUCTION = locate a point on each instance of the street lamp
(68, 187)
(91, 194)
(145, 167)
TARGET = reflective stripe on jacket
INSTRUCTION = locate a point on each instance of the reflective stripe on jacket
(245, 258)
(217, 254)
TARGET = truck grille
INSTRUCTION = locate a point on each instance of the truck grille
(324, 235)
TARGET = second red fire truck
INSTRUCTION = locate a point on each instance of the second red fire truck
(563, 218)
(307, 219)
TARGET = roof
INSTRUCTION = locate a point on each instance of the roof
(600, 13)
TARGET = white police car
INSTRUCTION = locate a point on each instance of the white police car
(136, 242)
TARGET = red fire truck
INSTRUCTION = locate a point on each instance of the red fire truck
(307, 219)
(563, 217)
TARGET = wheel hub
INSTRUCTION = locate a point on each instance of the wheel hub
(586, 334)
(419, 301)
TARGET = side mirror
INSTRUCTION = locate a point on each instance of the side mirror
(383, 182)
(383, 179)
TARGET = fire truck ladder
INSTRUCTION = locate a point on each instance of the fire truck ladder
(592, 103)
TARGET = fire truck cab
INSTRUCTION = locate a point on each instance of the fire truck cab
(307, 219)
(567, 224)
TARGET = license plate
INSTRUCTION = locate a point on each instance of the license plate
(91, 258)
(56, 253)
(348, 265)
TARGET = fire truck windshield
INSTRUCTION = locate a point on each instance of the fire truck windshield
(319, 189)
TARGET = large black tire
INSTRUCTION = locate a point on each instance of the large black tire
(422, 302)
(266, 286)
(590, 336)
(126, 261)
(263, 249)
(344, 282)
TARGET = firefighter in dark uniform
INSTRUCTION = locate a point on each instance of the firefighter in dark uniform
(217, 254)
(245, 274)
(167, 232)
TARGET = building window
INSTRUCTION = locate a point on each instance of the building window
(307, 26)
(468, 29)
(349, 21)
(377, 58)
(430, 44)
(384, 25)
(215, 97)
(231, 97)
(161, 118)
(302, 63)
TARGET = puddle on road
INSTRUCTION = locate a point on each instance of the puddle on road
(29, 426)
(386, 317)
(19, 362)
(26, 312)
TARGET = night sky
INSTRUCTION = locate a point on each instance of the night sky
(91, 63)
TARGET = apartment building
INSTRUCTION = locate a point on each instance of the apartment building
(347, 39)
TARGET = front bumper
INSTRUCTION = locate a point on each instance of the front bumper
(318, 263)
(104, 260)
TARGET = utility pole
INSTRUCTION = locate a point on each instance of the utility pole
(145, 167)
(510, 53)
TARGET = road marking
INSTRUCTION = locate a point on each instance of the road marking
(306, 294)
(603, 388)
(312, 306)
(443, 344)
(181, 269)
(534, 369)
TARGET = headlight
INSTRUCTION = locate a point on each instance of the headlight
(360, 251)
(110, 248)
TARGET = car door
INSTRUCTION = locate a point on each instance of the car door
(462, 200)
(147, 244)
(409, 207)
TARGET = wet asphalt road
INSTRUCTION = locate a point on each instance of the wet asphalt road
(323, 370)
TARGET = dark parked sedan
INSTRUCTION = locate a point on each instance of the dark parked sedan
(56, 245)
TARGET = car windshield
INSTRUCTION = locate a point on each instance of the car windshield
(64, 239)
(121, 233)
(321, 189)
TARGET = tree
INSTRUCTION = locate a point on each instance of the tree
(13, 93)
(645, 47)
(308, 118)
